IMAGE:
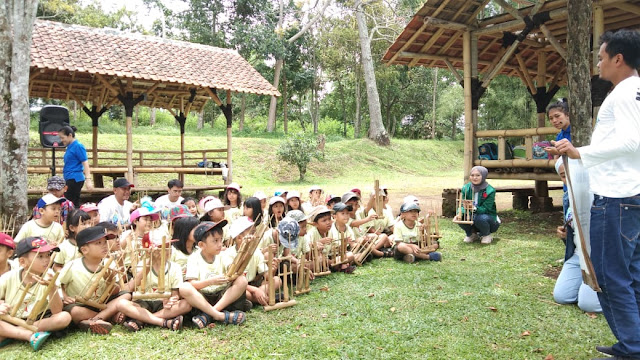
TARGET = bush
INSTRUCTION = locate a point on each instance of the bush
(299, 149)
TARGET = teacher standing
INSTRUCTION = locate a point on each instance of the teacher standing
(76, 165)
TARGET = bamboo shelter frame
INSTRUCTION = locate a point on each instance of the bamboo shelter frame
(99, 68)
(527, 42)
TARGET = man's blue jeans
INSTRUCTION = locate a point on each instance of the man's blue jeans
(483, 224)
(615, 252)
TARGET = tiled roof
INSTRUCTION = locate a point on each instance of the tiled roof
(71, 55)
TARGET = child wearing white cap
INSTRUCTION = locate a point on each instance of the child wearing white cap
(232, 201)
(47, 225)
(256, 270)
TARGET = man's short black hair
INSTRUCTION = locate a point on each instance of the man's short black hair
(175, 182)
(625, 42)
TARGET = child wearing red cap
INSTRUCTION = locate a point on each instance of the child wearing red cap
(7, 247)
(34, 254)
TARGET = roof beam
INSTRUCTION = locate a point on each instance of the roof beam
(447, 24)
(629, 7)
(553, 41)
(516, 24)
(526, 77)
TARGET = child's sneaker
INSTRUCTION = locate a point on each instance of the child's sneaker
(435, 256)
(486, 239)
(470, 239)
(96, 326)
(410, 258)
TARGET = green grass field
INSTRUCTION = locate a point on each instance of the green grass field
(480, 302)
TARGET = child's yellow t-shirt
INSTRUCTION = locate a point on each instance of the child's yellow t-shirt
(401, 233)
(256, 265)
(76, 279)
(304, 245)
(337, 235)
(267, 239)
(181, 259)
(53, 233)
(232, 214)
(11, 288)
(199, 269)
(172, 278)
(67, 252)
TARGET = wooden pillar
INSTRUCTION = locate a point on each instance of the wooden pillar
(541, 200)
(468, 110)
(541, 81)
(229, 117)
(129, 149)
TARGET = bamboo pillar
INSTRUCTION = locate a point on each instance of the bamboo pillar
(468, 110)
(229, 116)
(130, 149)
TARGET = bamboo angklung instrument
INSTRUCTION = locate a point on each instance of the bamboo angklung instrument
(8, 225)
(378, 200)
(304, 278)
(147, 267)
(87, 298)
(429, 235)
(285, 287)
(365, 249)
(245, 253)
(464, 210)
(320, 263)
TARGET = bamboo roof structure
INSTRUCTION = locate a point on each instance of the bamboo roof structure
(72, 62)
(434, 36)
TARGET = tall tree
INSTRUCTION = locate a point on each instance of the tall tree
(578, 69)
(377, 132)
(16, 26)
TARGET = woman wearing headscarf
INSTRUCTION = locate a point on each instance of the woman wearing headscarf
(483, 197)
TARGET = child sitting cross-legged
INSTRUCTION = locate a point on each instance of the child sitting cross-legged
(166, 312)
(338, 233)
(318, 234)
(406, 235)
(207, 288)
(34, 254)
(256, 270)
(77, 276)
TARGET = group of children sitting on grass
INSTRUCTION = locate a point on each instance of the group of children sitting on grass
(80, 266)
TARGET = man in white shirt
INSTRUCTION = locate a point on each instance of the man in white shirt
(117, 208)
(173, 198)
(613, 162)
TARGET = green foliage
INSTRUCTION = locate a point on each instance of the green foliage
(299, 149)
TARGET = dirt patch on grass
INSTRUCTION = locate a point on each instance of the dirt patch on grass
(552, 272)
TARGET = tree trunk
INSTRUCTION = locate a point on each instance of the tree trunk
(579, 70)
(16, 24)
(243, 109)
(377, 131)
(314, 108)
(152, 117)
(356, 125)
(393, 125)
(200, 124)
(344, 108)
(271, 123)
(433, 110)
(285, 103)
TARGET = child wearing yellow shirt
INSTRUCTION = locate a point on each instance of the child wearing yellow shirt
(405, 236)
(77, 221)
(77, 275)
(207, 288)
(47, 225)
(34, 254)
(167, 313)
(338, 233)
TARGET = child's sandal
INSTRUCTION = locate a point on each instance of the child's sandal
(133, 325)
(118, 318)
(5, 342)
(234, 320)
(38, 338)
(202, 320)
(174, 324)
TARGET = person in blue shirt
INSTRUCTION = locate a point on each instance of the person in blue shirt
(76, 165)
(558, 113)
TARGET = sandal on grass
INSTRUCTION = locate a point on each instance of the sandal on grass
(38, 338)
(202, 320)
(133, 325)
(96, 326)
(174, 324)
(234, 320)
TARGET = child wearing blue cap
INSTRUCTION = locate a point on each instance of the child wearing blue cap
(405, 236)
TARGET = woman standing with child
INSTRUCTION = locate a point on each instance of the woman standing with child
(483, 196)
(76, 165)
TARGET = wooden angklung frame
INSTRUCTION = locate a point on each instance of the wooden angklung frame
(464, 210)
(245, 252)
(319, 263)
(286, 289)
(430, 234)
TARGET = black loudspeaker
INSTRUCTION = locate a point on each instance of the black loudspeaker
(52, 119)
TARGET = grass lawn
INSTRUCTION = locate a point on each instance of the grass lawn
(480, 302)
